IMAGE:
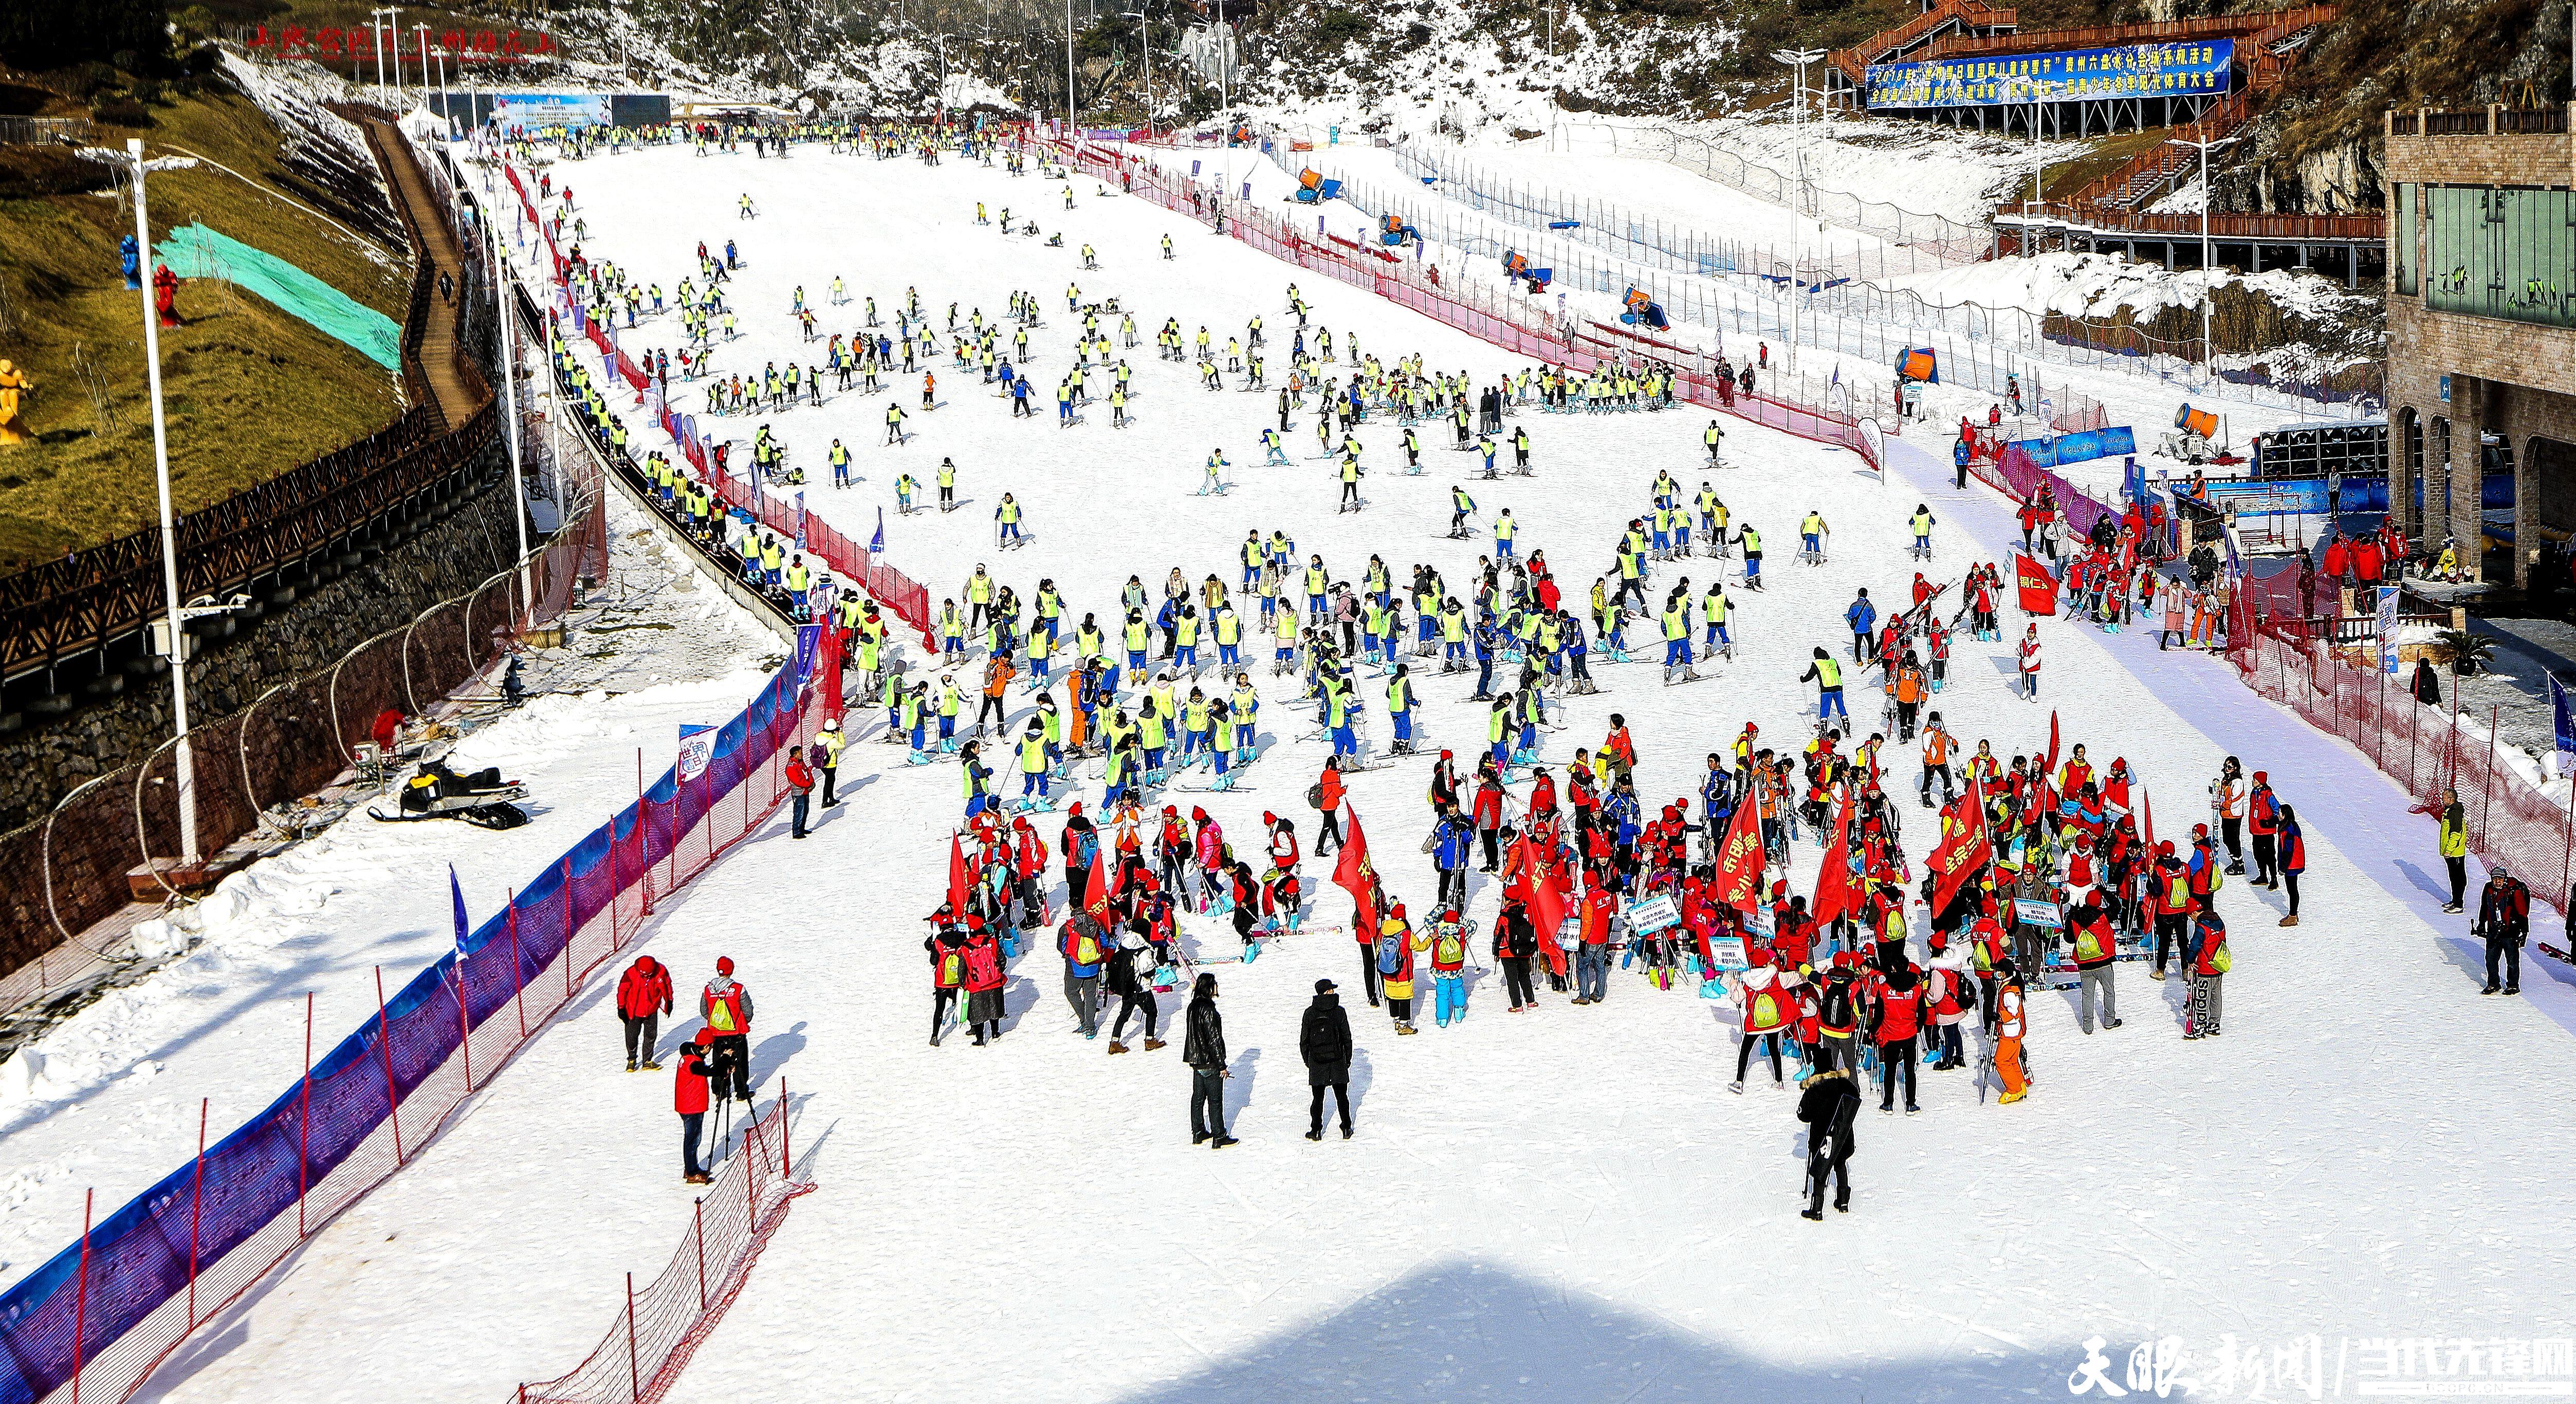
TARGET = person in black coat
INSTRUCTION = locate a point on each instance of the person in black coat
(1324, 1041)
(1203, 1048)
(1827, 1105)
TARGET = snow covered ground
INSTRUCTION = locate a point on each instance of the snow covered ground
(1566, 1207)
(107, 1099)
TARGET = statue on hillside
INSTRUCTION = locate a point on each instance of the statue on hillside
(14, 387)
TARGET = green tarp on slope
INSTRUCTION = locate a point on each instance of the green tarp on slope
(198, 252)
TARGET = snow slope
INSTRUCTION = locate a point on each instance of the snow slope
(1559, 1205)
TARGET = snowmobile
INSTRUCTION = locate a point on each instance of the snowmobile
(437, 792)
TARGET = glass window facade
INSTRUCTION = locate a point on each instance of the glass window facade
(2504, 252)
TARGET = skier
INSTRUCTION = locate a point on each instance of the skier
(2454, 830)
(2208, 961)
(1324, 1042)
(643, 997)
(2096, 953)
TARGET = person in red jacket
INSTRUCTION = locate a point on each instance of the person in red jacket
(983, 985)
(643, 997)
(1897, 999)
(726, 1006)
(689, 1098)
(800, 781)
(1328, 803)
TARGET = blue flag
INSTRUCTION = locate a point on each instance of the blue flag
(876, 543)
(2566, 726)
(456, 892)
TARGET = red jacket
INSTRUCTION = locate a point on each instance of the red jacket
(689, 1085)
(1329, 791)
(983, 964)
(644, 989)
(800, 775)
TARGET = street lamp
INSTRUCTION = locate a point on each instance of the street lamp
(183, 762)
(1145, 36)
(423, 31)
(2208, 351)
(1799, 59)
(1072, 128)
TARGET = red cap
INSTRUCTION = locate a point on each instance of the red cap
(724, 965)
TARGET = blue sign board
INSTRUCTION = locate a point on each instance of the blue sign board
(2076, 75)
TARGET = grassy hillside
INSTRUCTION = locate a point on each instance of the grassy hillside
(249, 391)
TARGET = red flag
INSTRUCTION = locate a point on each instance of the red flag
(1546, 904)
(956, 877)
(1833, 885)
(1740, 860)
(2038, 587)
(1963, 853)
(1098, 892)
(2147, 807)
(2051, 768)
(1355, 875)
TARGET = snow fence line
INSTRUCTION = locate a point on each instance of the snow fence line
(661, 1326)
(98, 1319)
(908, 599)
(1500, 322)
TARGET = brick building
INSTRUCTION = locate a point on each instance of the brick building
(2482, 325)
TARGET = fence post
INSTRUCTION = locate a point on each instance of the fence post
(643, 844)
(2486, 805)
(519, 963)
(634, 1370)
(786, 1161)
(698, 1211)
(464, 1025)
(385, 1047)
(304, 1119)
(80, 1304)
(197, 1207)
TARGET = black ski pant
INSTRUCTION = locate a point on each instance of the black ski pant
(1328, 832)
(1820, 1165)
(1140, 1003)
(2232, 833)
(1315, 1111)
(1744, 1054)
(941, 1002)
(1892, 1058)
(1368, 971)
(2508, 950)
(643, 1035)
(1453, 888)
(2459, 878)
(731, 1059)
(2168, 932)
(2266, 858)
(1516, 980)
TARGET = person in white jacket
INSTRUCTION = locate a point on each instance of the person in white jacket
(1769, 1004)
(1956, 1002)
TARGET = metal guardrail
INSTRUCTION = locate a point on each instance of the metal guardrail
(46, 131)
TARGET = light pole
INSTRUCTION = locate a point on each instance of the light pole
(1145, 35)
(1799, 59)
(510, 391)
(376, 42)
(423, 31)
(184, 763)
(2208, 351)
(1072, 129)
(393, 28)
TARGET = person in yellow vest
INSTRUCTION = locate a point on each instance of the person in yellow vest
(14, 388)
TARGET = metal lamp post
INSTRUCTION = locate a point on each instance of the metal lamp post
(2208, 349)
(184, 763)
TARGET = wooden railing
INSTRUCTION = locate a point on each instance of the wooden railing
(2101, 36)
(2232, 228)
(1854, 62)
(2483, 121)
